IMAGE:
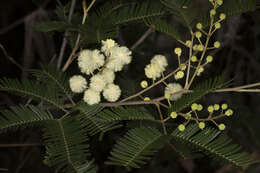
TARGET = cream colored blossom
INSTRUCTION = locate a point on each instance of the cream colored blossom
(78, 83)
(160, 61)
(172, 89)
(112, 92)
(152, 71)
(91, 97)
(108, 75)
(97, 83)
(107, 45)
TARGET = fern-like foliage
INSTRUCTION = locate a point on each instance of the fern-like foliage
(31, 89)
(49, 75)
(88, 119)
(88, 167)
(164, 27)
(120, 114)
(136, 147)
(216, 146)
(21, 117)
(197, 93)
(66, 145)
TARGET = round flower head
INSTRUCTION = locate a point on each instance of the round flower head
(78, 84)
(173, 88)
(160, 61)
(119, 56)
(181, 127)
(89, 61)
(199, 26)
(97, 83)
(173, 115)
(107, 45)
(144, 84)
(91, 97)
(112, 92)
(108, 75)
(152, 71)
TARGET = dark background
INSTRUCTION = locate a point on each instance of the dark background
(237, 59)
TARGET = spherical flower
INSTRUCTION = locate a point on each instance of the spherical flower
(119, 56)
(107, 45)
(212, 12)
(78, 83)
(177, 51)
(144, 84)
(181, 127)
(219, 2)
(160, 61)
(108, 75)
(199, 26)
(198, 34)
(194, 58)
(97, 82)
(172, 89)
(152, 71)
(88, 60)
(91, 97)
(224, 106)
(188, 43)
(183, 67)
(200, 70)
(112, 92)
(229, 112)
(195, 47)
(200, 47)
(217, 25)
(200, 107)
(216, 107)
(222, 16)
(179, 75)
(173, 115)
(210, 109)
(216, 44)
(202, 125)
(209, 59)
(221, 127)
(194, 106)
(147, 99)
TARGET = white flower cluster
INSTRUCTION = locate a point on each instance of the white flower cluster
(157, 66)
(102, 65)
(172, 90)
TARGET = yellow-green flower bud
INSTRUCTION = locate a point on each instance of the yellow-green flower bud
(224, 106)
(209, 59)
(222, 16)
(147, 99)
(167, 96)
(217, 25)
(217, 44)
(188, 43)
(216, 107)
(212, 12)
(200, 47)
(183, 67)
(144, 84)
(201, 125)
(198, 34)
(177, 51)
(221, 127)
(219, 2)
(210, 109)
(195, 47)
(201, 69)
(179, 75)
(194, 106)
(174, 115)
(200, 107)
(181, 127)
(199, 26)
(194, 58)
(229, 112)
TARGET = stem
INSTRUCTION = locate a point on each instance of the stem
(189, 63)
(161, 117)
(240, 88)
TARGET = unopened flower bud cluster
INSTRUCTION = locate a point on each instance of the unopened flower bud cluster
(220, 110)
(101, 67)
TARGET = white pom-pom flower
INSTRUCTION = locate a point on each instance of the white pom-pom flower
(91, 97)
(152, 71)
(173, 88)
(97, 82)
(78, 83)
(119, 56)
(107, 45)
(112, 92)
(161, 61)
(89, 61)
(108, 75)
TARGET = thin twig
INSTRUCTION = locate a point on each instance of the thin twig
(243, 88)
(161, 117)
(64, 42)
(19, 145)
(10, 58)
(142, 38)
